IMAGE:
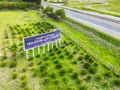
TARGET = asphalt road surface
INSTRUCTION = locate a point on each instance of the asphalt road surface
(101, 24)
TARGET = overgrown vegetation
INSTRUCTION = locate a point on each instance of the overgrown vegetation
(110, 7)
(17, 5)
(58, 14)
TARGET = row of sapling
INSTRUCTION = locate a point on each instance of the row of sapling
(58, 14)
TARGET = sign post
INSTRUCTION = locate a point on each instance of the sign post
(33, 52)
(27, 54)
(48, 47)
(38, 50)
(59, 43)
(43, 49)
(56, 43)
(52, 45)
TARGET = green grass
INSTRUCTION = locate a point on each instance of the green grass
(111, 9)
(106, 52)
(113, 6)
(17, 17)
(67, 67)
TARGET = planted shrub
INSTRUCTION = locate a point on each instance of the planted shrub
(47, 63)
(56, 62)
(98, 77)
(86, 57)
(24, 83)
(23, 77)
(3, 64)
(33, 69)
(62, 47)
(30, 58)
(15, 59)
(116, 82)
(54, 57)
(56, 82)
(31, 64)
(70, 56)
(88, 78)
(53, 75)
(74, 75)
(86, 65)
(71, 88)
(70, 70)
(62, 72)
(80, 58)
(26, 88)
(45, 81)
(83, 72)
(52, 54)
(107, 74)
(13, 64)
(4, 57)
(105, 83)
(59, 52)
(14, 75)
(38, 55)
(65, 80)
(43, 74)
(79, 81)
(84, 87)
(43, 68)
(24, 69)
(92, 70)
(74, 62)
(46, 58)
(34, 75)
(74, 52)
(58, 66)
(61, 56)
(91, 60)
(67, 53)
(95, 65)
(56, 49)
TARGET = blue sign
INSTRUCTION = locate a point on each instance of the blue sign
(41, 39)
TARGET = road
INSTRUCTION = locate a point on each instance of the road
(97, 21)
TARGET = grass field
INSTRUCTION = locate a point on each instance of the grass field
(105, 51)
(66, 67)
(12, 18)
(16, 17)
(113, 6)
(109, 8)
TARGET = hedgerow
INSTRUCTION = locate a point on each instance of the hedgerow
(16, 5)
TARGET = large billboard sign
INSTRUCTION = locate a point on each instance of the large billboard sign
(41, 39)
